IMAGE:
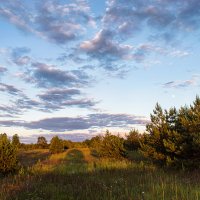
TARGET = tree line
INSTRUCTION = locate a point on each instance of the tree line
(172, 139)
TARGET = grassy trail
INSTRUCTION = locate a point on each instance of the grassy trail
(76, 161)
(77, 175)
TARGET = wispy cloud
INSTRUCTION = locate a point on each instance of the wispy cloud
(179, 53)
(183, 83)
(58, 95)
(54, 20)
(6, 110)
(9, 89)
(19, 56)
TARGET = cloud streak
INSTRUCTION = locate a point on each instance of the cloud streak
(182, 84)
(56, 99)
(9, 89)
(46, 76)
(90, 121)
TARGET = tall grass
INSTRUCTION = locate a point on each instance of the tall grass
(76, 174)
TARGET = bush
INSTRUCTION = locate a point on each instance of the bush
(8, 155)
(56, 145)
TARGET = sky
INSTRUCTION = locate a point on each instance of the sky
(77, 68)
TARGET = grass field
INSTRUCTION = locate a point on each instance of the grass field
(77, 174)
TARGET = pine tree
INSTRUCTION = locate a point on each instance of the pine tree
(162, 142)
(112, 146)
(189, 124)
(173, 136)
(8, 155)
(153, 144)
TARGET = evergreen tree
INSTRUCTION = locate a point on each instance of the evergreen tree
(112, 146)
(8, 155)
(173, 136)
(189, 125)
(153, 144)
(162, 142)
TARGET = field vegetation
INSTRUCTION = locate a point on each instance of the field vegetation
(160, 164)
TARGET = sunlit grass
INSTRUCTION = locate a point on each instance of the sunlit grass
(48, 165)
(76, 174)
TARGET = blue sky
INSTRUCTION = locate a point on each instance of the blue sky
(77, 68)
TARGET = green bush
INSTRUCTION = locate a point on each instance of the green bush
(56, 145)
(8, 155)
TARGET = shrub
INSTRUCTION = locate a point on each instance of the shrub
(8, 155)
(15, 141)
(56, 145)
(42, 142)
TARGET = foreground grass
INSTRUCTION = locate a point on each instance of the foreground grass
(76, 174)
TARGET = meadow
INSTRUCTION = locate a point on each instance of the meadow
(79, 174)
